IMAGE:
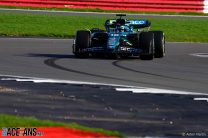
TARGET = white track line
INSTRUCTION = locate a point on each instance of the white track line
(47, 80)
(159, 91)
(134, 89)
(201, 99)
(202, 55)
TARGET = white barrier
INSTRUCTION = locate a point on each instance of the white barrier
(205, 6)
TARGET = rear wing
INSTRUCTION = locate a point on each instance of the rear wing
(137, 24)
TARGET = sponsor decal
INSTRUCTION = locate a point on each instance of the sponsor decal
(20, 131)
(138, 22)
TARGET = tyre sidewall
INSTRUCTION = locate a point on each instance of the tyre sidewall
(146, 43)
(159, 40)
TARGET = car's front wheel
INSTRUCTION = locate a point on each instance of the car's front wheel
(82, 41)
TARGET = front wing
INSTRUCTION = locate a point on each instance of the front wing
(119, 50)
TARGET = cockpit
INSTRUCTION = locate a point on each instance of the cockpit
(118, 25)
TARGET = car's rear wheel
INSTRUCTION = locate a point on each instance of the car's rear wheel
(146, 43)
(82, 41)
(159, 40)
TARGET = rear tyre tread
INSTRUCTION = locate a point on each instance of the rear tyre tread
(159, 40)
(146, 43)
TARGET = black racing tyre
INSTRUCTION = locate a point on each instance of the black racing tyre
(82, 41)
(146, 43)
(159, 40)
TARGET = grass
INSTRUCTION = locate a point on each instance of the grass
(12, 24)
(17, 121)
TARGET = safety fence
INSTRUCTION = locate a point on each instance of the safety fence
(199, 6)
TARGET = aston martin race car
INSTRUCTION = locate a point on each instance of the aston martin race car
(122, 38)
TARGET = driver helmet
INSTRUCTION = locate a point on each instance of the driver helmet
(121, 28)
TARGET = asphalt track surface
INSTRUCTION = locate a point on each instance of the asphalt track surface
(53, 58)
(133, 114)
(98, 106)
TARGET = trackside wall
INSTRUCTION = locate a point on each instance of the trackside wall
(198, 6)
(205, 6)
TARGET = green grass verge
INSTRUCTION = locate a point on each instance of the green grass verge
(11, 24)
(106, 11)
(17, 121)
